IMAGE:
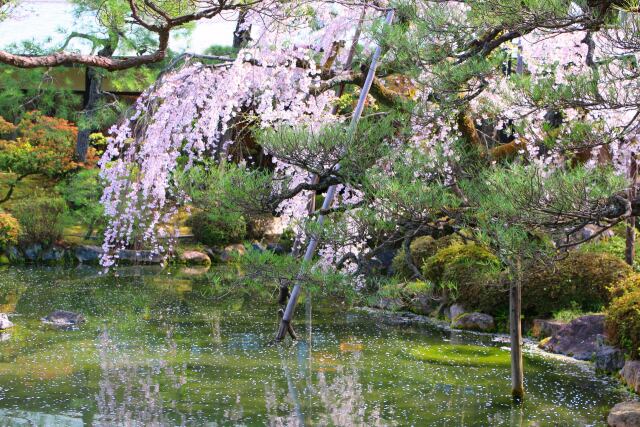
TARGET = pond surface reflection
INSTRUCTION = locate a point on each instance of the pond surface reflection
(157, 350)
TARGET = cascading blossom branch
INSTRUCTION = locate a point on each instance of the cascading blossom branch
(186, 117)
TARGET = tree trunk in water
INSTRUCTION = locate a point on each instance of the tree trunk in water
(630, 244)
(515, 326)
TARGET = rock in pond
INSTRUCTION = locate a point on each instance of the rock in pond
(609, 359)
(579, 339)
(88, 253)
(625, 414)
(195, 258)
(63, 318)
(5, 323)
(630, 374)
(32, 252)
(423, 304)
(474, 322)
(140, 256)
(543, 328)
(54, 254)
(455, 310)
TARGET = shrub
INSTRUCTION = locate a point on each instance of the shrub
(9, 230)
(44, 145)
(421, 248)
(623, 317)
(41, 219)
(287, 239)
(414, 296)
(40, 145)
(217, 228)
(580, 281)
(82, 192)
(627, 284)
(467, 274)
(614, 245)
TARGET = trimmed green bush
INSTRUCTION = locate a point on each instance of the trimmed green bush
(623, 316)
(41, 220)
(580, 280)
(217, 228)
(467, 274)
(9, 230)
(614, 245)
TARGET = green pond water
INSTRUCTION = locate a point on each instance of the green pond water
(158, 349)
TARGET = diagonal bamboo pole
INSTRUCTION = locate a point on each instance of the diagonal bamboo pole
(334, 110)
(331, 192)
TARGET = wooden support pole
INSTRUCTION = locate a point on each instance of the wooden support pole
(515, 304)
(515, 330)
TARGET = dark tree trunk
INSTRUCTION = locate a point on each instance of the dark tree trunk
(241, 36)
(92, 95)
(12, 187)
(93, 83)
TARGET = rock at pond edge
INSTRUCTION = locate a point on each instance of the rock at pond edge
(630, 374)
(474, 322)
(580, 339)
(543, 328)
(5, 323)
(195, 258)
(625, 414)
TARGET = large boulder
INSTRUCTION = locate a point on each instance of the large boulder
(456, 310)
(543, 328)
(423, 304)
(630, 374)
(54, 254)
(579, 339)
(625, 414)
(474, 322)
(5, 323)
(32, 252)
(87, 254)
(609, 359)
(140, 257)
(383, 262)
(229, 251)
(14, 255)
(195, 258)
